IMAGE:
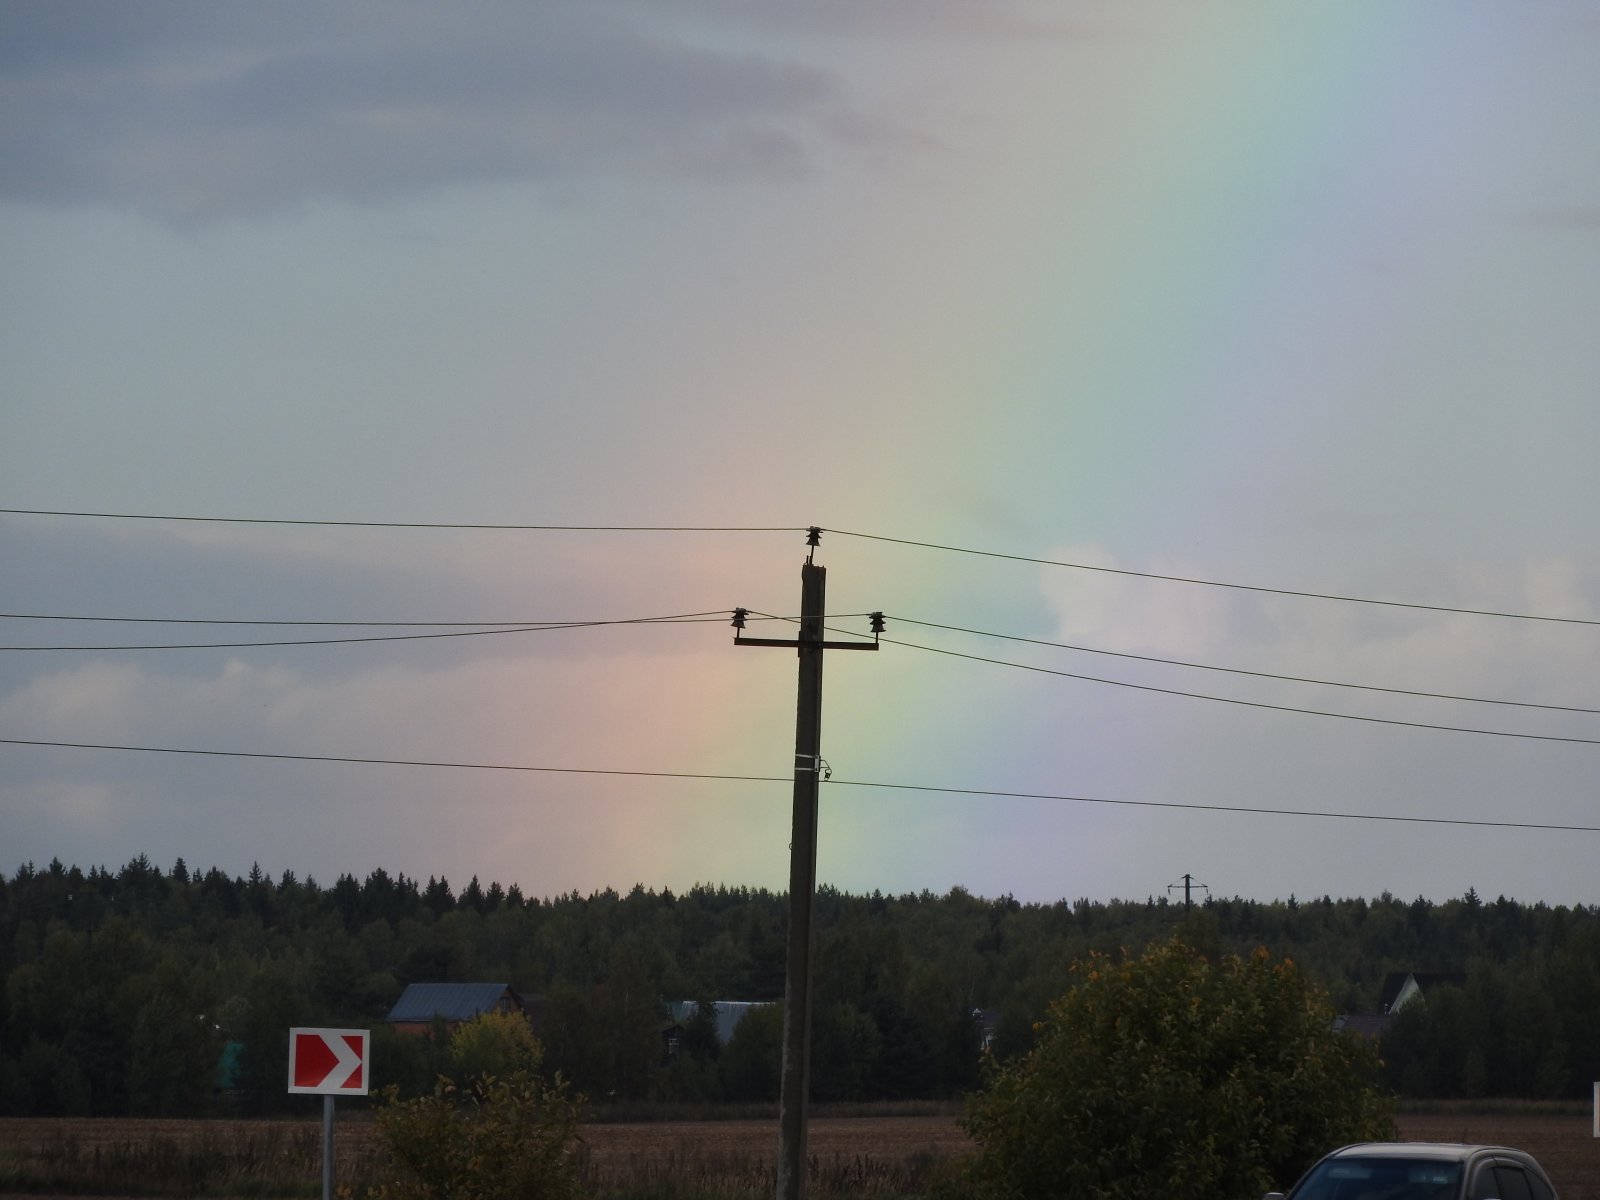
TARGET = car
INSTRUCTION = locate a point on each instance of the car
(1422, 1171)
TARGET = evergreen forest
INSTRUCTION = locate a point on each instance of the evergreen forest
(170, 992)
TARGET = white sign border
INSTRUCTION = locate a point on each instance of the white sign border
(366, 1061)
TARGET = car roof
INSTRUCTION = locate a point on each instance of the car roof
(1444, 1151)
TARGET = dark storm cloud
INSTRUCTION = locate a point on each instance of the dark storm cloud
(195, 112)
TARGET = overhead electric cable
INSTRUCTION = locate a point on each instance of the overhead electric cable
(708, 615)
(877, 537)
(789, 779)
(1216, 583)
(1288, 708)
(255, 621)
(1233, 808)
(684, 619)
(109, 516)
(1145, 687)
(1176, 662)
(394, 762)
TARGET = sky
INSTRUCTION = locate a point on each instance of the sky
(407, 318)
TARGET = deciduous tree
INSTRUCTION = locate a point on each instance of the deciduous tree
(1173, 1075)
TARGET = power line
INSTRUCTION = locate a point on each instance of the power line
(487, 628)
(245, 621)
(1145, 687)
(1312, 712)
(528, 623)
(395, 762)
(877, 537)
(856, 783)
(44, 512)
(1216, 583)
(1233, 808)
(682, 619)
(1174, 662)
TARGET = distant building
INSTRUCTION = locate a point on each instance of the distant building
(728, 1015)
(1371, 1026)
(421, 1004)
(1400, 988)
(230, 1069)
(988, 1022)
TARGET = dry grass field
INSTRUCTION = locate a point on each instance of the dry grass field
(1564, 1143)
(853, 1156)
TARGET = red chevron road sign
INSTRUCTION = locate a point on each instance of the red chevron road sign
(328, 1062)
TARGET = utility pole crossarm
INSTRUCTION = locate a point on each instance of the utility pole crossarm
(802, 642)
(795, 643)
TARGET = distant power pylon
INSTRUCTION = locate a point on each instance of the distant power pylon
(1188, 885)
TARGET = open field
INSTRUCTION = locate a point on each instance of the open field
(1564, 1143)
(853, 1156)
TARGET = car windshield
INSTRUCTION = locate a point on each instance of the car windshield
(1381, 1178)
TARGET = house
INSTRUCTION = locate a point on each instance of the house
(421, 1004)
(1400, 988)
(1371, 1026)
(729, 1014)
(988, 1023)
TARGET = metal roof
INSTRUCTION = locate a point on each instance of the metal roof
(451, 1001)
(729, 1014)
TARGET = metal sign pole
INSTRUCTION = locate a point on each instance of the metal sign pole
(327, 1147)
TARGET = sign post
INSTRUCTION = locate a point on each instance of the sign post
(328, 1063)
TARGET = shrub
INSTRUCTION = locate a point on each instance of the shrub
(514, 1138)
(1172, 1075)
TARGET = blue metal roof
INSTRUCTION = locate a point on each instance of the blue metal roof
(451, 1001)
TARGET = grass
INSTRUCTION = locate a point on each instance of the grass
(898, 1155)
(727, 1159)
(203, 1160)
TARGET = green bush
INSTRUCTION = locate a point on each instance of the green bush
(495, 1043)
(494, 1139)
(1172, 1075)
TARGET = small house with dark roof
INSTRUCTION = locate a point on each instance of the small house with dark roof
(728, 1014)
(421, 1004)
(1400, 988)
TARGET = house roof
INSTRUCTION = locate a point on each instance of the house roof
(1371, 1026)
(1395, 983)
(450, 1001)
(729, 1014)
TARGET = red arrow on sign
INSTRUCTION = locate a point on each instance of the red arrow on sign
(328, 1061)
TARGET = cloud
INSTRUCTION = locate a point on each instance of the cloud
(1570, 216)
(196, 113)
(1372, 645)
(654, 711)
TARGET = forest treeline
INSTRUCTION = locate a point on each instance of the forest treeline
(151, 991)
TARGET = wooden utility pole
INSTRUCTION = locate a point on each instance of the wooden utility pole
(795, 1087)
